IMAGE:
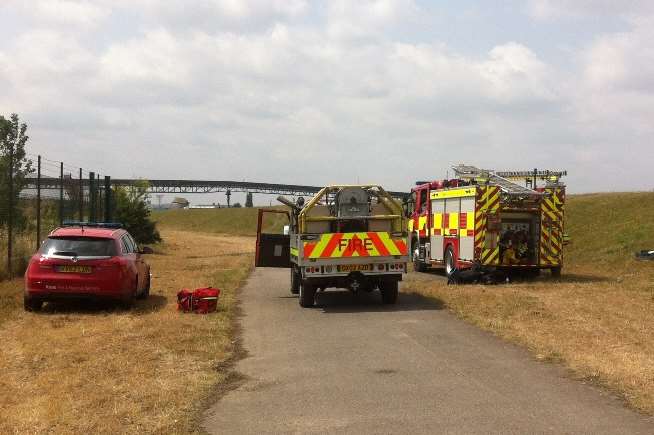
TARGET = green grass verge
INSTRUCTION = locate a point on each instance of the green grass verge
(607, 228)
(235, 221)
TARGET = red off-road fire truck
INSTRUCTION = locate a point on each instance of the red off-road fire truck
(485, 220)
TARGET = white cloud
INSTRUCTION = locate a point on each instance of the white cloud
(66, 13)
(213, 15)
(274, 95)
(550, 9)
(367, 18)
(516, 73)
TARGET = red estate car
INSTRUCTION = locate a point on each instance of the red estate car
(87, 261)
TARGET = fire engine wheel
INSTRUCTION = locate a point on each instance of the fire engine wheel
(556, 272)
(389, 291)
(295, 282)
(307, 295)
(449, 261)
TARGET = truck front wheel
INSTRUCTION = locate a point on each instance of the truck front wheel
(389, 291)
(449, 261)
(307, 295)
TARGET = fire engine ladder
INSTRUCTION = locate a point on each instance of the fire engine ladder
(508, 187)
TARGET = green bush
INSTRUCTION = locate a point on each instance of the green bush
(132, 211)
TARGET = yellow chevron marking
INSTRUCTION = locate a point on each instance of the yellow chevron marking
(388, 242)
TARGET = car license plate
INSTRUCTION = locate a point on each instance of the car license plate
(353, 267)
(74, 269)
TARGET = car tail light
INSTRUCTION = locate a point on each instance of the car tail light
(45, 263)
(381, 266)
(112, 263)
(400, 266)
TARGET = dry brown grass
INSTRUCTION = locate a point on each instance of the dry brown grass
(597, 320)
(82, 369)
(598, 325)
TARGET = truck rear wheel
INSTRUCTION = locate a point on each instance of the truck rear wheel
(389, 291)
(307, 295)
(295, 282)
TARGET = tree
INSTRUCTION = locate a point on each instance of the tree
(13, 138)
(237, 205)
(248, 200)
(132, 211)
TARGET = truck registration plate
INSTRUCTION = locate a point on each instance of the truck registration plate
(353, 267)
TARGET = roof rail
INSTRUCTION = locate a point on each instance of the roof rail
(111, 225)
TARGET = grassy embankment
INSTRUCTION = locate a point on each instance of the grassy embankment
(235, 221)
(85, 368)
(597, 320)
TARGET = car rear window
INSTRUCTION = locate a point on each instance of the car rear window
(79, 247)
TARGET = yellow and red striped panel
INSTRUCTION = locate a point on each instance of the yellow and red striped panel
(551, 237)
(343, 245)
(452, 224)
(488, 202)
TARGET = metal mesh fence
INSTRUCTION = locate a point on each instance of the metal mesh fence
(33, 205)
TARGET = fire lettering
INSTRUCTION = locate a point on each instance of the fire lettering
(355, 244)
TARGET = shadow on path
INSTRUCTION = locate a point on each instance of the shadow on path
(344, 301)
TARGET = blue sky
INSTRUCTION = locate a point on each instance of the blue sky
(304, 92)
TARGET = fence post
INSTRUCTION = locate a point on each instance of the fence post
(107, 199)
(38, 203)
(10, 213)
(91, 196)
(98, 197)
(81, 197)
(61, 194)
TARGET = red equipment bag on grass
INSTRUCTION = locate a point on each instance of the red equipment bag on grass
(205, 300)
(185, 300)
(201, 301)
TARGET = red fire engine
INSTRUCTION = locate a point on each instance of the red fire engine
(484, 219)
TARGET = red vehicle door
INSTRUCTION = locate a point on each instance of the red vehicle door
(134, 262)
(273, 248)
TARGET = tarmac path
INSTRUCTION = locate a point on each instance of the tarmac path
(352, 365)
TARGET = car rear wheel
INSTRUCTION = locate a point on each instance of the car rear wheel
(128, 300)
(146, 291)
(30, 304)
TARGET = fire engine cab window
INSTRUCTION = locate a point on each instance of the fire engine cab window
(423, 200)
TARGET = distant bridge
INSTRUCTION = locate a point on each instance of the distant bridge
(196, 186)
